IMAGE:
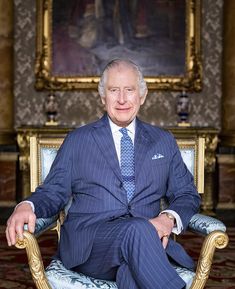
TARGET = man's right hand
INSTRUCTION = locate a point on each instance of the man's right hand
(23, 214)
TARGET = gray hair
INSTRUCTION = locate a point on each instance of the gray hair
(116, 62)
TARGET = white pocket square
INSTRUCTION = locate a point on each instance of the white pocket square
(157, 156)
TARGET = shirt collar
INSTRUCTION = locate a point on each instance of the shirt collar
(115, 128)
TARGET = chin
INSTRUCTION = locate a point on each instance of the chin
(124, 122)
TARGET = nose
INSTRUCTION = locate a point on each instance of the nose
(122, 97)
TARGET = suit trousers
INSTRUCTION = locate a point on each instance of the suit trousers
(129, 251)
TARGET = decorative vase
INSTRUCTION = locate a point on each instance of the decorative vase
(51, 109)
(183, 109)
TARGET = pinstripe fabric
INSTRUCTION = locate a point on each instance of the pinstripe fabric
(87, 168)
(131, 248)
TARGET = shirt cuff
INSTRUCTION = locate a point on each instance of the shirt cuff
(29, 202)
(178, 228)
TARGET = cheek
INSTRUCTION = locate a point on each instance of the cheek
(109, 107)
(136, 100)
(137, 104)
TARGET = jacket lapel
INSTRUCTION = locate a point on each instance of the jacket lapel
(143, 143)
(104, 139)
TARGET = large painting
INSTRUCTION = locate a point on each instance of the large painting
(76, 38)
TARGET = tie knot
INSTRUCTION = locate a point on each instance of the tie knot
(124, 131)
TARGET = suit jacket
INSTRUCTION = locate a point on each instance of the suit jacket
(86, 168)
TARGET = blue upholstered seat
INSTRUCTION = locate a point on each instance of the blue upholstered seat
(61, 278)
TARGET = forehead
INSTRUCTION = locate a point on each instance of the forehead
(123, 73)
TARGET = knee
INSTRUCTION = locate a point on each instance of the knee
(139, 233)
(139, 226)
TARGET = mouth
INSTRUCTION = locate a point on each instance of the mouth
(123, 109)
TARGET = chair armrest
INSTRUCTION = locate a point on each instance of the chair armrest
(43, 224)
(30, 244)
(216, 238)
(205, 225)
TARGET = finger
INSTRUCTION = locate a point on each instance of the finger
(8, 237)
(19, 230)
(160, 234)
(31, 223)
(164, 241)
(7, 232)
(12, 233)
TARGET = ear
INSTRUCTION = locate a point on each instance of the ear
(103, 100)
(142, 98)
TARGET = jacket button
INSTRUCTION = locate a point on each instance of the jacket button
(129, 207)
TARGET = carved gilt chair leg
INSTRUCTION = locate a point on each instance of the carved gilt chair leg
(216, 239)
(35, 260)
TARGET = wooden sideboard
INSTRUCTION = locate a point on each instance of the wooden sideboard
(211, 141)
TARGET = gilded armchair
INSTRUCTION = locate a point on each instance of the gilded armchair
(42, 154)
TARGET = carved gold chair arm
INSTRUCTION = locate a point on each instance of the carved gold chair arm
(35, 259)
(216, 239)
(32, 249)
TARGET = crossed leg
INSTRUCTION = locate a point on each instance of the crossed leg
(130, 252)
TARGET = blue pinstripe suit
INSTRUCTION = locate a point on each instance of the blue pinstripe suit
(87, 168)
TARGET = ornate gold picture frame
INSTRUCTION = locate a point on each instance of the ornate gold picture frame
(74, 40)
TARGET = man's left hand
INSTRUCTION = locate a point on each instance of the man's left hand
(164, 227)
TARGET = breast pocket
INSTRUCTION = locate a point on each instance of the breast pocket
(159, 169)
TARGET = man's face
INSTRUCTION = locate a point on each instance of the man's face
(122, 98)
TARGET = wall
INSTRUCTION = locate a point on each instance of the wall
(84, 106)
(6, 72)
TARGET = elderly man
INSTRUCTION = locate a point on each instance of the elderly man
(117, 170)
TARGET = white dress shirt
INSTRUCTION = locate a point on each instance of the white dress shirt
(117, 135)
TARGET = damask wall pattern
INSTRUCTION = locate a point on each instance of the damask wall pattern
(76, 108)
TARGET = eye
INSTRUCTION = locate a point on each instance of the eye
(129, 89)
(113, 89)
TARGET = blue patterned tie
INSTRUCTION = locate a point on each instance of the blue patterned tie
(127, 164)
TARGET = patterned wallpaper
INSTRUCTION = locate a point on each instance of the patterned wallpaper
(76, 108)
